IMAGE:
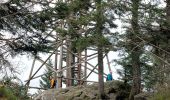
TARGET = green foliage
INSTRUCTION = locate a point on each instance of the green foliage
(84, 20)
(62, 32)
(101, 41)
(82, 43)
(12, 90)
(62, 10)
(76, 5)
(126, 72)
(6, 93)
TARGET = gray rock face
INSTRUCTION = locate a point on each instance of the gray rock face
(142, 96)
(114, 90)
(46, 95)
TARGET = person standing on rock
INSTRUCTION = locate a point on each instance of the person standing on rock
(109, 77)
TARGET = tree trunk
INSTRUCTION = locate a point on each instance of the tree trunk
(68, 63)
(59, 80)
(85, 67)
(136, 85)
(107, 58)
(56, 59)
(100, 69)
(73, 69)
(79, 67)
(100, 51)
(33, 64)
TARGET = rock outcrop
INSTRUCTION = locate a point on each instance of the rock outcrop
(143, 96)
(114, 90)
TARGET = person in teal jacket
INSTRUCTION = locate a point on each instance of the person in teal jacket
(109, 77)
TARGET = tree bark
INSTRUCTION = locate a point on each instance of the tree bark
(136, 85)
(100, 68)
(79, 67)
(68, 63)
(85, 67)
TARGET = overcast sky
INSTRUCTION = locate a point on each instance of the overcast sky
(4, 1)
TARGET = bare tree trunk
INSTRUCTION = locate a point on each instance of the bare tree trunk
(56, 59)
(85, 67)
(33, 63)
(110, 70)
(59, 80)
(73, 68)
(79, 67)
(68, 63)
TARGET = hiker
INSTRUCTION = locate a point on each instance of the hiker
(109, 77)
(52, 82)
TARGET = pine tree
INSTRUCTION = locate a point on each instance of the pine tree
(149, 33)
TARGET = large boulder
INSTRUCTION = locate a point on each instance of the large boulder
(114, 90)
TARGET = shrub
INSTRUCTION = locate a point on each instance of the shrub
(162, 94)
(6, 93)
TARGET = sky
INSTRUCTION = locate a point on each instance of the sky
(3, 1)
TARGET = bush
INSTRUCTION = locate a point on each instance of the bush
(7, 94)
(163, 94)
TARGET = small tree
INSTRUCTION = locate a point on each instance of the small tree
(44, 81)
(12, 89)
